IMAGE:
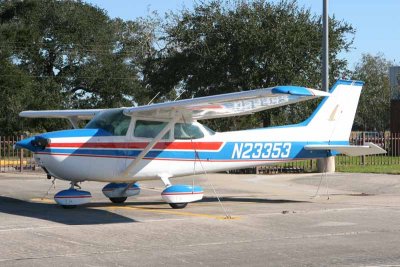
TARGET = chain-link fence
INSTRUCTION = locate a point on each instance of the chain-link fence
(14, 159)
(22, 160)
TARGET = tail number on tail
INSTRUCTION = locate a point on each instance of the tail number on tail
(261, 150)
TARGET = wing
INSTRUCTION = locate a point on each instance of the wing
(367, 149)
(67, 114)
(226, 105)
(216, 106)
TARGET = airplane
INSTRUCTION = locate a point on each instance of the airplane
(123, 146)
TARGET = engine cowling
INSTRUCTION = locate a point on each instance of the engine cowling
(117, 190)
(182, 194)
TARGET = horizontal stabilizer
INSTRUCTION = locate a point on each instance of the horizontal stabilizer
(367, 149)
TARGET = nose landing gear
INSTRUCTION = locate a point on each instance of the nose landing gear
(70, 198)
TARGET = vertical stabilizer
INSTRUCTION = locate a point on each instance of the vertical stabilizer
(334, 116)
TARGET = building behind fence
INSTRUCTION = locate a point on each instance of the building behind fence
(22, 160)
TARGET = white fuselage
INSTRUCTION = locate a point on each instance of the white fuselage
(106, 158)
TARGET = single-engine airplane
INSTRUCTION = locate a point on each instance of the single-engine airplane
(160, 141)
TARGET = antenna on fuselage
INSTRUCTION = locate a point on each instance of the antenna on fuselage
(151, 101)
(179, 95)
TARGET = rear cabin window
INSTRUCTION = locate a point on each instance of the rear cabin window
(112, 121)
(187, 131)
(149, 129)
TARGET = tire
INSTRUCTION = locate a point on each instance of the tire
(118, 199)
(68, 206)
(178, 205)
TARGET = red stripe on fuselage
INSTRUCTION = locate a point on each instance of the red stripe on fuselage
(142, 145)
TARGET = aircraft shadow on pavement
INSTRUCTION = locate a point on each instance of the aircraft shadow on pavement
(252, 200)
(52, 212)
(163, 205)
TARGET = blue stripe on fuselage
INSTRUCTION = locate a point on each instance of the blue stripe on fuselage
(231, 151)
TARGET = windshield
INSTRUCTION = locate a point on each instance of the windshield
(113, 121)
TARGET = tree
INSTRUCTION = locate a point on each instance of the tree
(74, 55)
(221, 47)
(12, 80)
(373, 113)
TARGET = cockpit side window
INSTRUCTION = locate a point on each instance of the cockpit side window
(187, 131)
(112, 121)
(149, 129)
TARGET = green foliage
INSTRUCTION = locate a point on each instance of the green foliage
(220, 47)
(69, 54)
(12, 80)
(373, 112)
(72, 53)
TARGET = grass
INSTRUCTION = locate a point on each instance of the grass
(372, 164)
(368, 160)
(390, 169)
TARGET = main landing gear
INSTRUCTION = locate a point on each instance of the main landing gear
(178, 196)
(119, 192)
(178, 205)
(118, 200)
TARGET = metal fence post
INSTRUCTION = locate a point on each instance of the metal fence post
(1, 149)
(363, 143)
(21, 157)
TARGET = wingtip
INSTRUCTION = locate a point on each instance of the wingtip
(299, 90)
(319, 92)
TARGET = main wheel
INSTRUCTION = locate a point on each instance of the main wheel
(68, 206)
(178, 205)
(118, 199)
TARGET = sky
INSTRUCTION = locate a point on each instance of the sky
(377, 22)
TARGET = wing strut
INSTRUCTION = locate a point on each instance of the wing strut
(153, 142)
(74, 121)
